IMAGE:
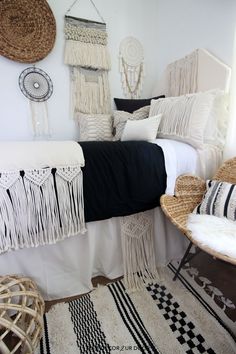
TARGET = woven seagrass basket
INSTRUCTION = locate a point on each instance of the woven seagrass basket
(21, 315)
(27, 30)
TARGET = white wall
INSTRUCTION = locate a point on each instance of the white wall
(184, 25)
(168, 30)
(123, 18)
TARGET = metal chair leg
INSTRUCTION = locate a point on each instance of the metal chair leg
(183, 260)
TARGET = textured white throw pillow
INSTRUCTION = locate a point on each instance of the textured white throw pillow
(145, 129)
(121, 117)
(185, 118)
(216, 127)
(94, 127)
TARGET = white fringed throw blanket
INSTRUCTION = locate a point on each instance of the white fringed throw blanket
(41, 193)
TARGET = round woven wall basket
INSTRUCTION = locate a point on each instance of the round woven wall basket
(21, 315)
(27, 30)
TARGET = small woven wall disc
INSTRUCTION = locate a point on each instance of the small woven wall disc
(27, 30)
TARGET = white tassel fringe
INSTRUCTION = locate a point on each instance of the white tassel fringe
(87, 55)
(36, 214)
(138, 250)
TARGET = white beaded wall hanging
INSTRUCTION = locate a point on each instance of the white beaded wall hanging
(131, 58)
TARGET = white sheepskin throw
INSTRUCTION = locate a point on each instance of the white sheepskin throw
(217, 233)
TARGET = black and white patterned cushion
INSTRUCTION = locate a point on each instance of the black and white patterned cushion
(219, 200)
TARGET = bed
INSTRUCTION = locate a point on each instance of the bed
(67, 267)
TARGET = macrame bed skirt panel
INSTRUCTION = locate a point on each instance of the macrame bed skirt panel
(74, 261)
(137, 239)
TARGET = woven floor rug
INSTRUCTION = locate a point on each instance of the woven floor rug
(209, 294)
(162, 318)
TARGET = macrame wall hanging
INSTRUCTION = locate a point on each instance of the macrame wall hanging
(89, 62)
(131, 67)
(37, 86)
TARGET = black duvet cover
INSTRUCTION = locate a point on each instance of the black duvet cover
(121, 178)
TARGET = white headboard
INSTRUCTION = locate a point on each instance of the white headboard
(212, 72)
(197, 71)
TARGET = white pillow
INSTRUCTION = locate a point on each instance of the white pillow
(144, 129)
(216, 127)
(121, 117)
(186, 117)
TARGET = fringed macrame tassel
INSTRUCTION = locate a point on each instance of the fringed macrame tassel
(87, 55)
(8, 238)
(138, 250)
(38, 209)
(71, 213)
(182, 75)
(43, 222)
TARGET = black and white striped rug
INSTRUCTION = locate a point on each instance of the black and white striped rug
(164, 317)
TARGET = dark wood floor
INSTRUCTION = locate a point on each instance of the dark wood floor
(95, 281)
(221, 274)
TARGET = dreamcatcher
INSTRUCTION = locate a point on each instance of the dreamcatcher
(131, 66)
(37, 86)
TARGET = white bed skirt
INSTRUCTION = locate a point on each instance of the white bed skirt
(66, 268)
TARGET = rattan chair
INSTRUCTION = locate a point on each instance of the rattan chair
(189, 191)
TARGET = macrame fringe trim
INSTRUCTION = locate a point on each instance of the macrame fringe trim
(34, 214)
(182, 75)
(87, 55)
(138, 255)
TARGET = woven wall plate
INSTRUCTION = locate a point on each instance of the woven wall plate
(35, 84)
(27, 30)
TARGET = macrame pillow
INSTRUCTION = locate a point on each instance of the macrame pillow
(121, 118)
(186, 117)
(144, 129)
(94, 127)
(219, 200)
(131, 105)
